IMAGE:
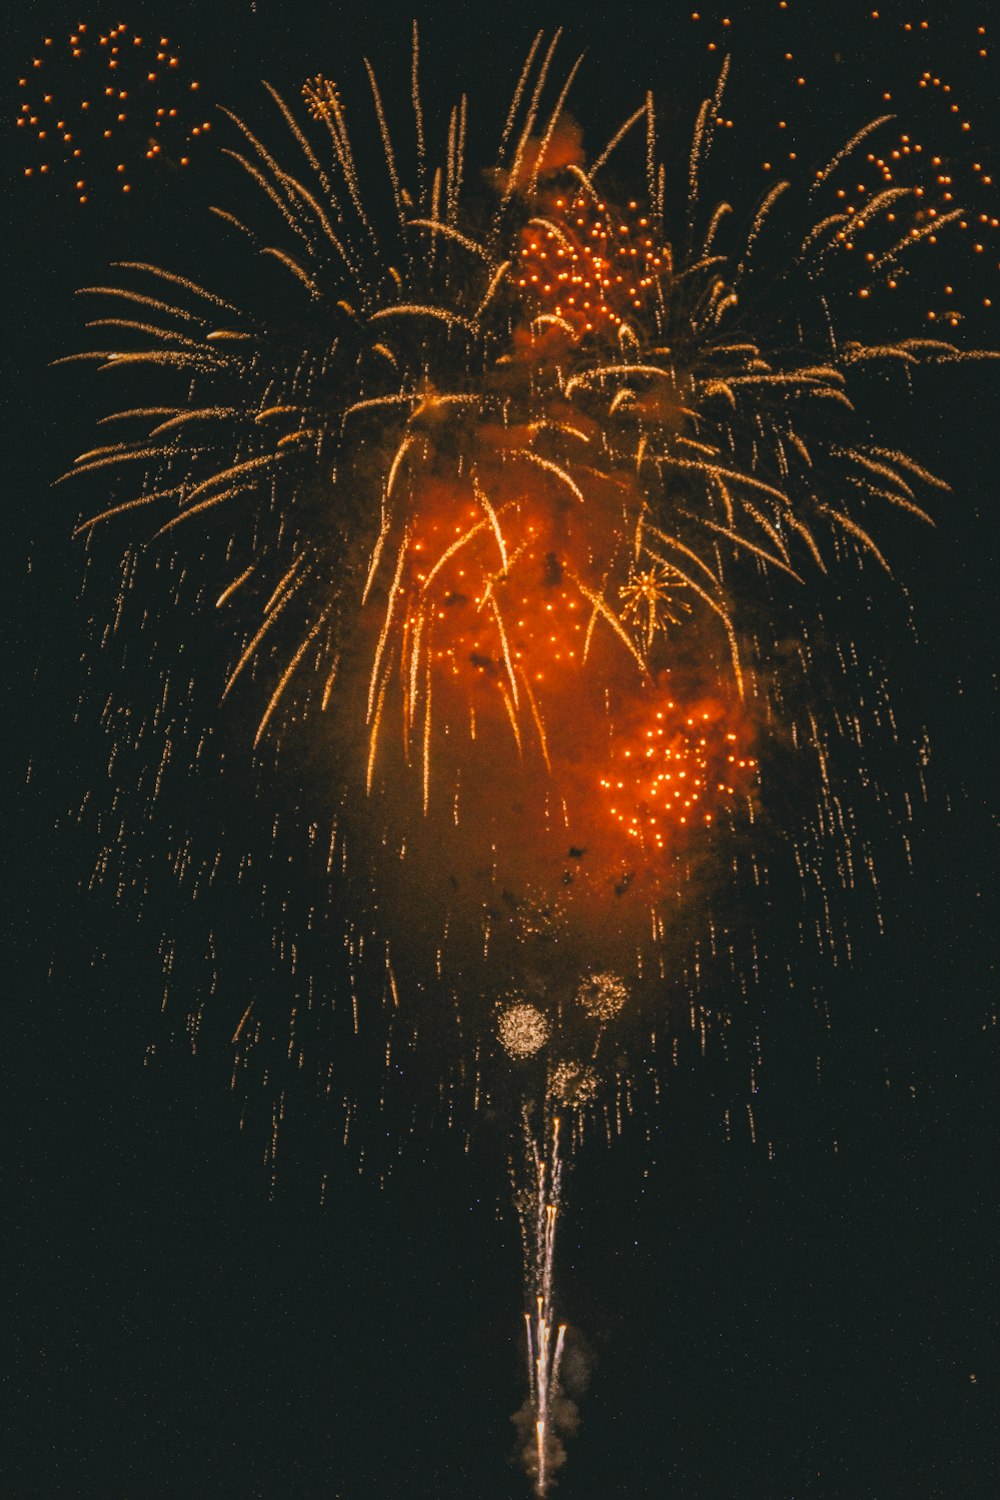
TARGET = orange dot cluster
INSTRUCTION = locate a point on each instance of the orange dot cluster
(674, 773)
(929, 152)
(98, 106)
(588, 266)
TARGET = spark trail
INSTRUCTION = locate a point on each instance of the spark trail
(539, 1203)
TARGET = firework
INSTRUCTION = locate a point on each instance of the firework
(574, 1084)
(549, 448)
(539, 1201)
(99, 111)
(496, 484)
(498, 477)
(603, 996)
(523, 1029)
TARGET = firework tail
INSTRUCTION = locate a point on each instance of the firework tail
(538, 1206)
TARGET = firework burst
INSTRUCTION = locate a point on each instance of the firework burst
(493, 468)
(99, 111)
(503, 469)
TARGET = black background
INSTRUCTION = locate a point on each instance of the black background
(821, 1324)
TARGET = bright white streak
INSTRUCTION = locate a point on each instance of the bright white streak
(545, 1340)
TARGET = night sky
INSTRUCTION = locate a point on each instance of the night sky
(820, 1322)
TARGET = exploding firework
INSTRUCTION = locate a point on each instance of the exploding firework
(503, 496)
(498, 475)
(99, 111)
(523, 1029)
(574, 1084)
(603, 996)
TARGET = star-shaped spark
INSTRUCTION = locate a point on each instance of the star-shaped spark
(650, 601)
(321, 97)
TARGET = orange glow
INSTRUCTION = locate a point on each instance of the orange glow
(525, 652)
(676, 773)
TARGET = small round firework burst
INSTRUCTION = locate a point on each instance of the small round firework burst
(523, 1029)
(603, 996)
(573, 1084)
(652, 600)
(322, 97)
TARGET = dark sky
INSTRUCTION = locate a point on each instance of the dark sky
(822, 1324)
